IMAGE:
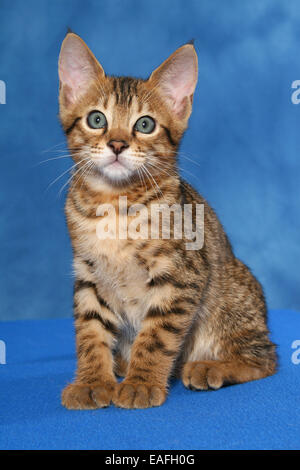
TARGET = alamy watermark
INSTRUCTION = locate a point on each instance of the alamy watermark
(158, 221)
(295, 97)
(2, 92)
(296, 354)
(2, 352)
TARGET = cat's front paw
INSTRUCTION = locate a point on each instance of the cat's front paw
(138, 395)
(87, 397)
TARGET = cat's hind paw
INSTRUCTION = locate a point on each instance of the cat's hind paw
(204, 375)
(200, 376)
(135, 395)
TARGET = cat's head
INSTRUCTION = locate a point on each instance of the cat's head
(120, 128)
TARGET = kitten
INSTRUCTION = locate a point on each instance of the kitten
(149, 308)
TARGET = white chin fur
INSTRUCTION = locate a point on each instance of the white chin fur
(116, 171)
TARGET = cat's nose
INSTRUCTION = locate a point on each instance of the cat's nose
(117, 146)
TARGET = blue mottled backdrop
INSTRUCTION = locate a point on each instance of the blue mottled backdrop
(242, 149)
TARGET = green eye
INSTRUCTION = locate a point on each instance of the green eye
(96, 120)
(145, 124)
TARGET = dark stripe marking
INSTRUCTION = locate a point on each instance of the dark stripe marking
(138, 377)
(72, 125)
(159, 345)
(107, 324)
(89, 349)
(89, 263)
(164, 279)
(102, 302)
(168, 133)
(157, 312)
(171, 329)
(81, 210)
(81, 284)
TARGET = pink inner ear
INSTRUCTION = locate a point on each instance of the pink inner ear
(179, 78)
(76, 69)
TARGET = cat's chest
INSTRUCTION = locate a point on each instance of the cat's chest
(119, 277)
(122, 282)
(116, 267)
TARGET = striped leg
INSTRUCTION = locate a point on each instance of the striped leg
(96, 331)
(153, 355)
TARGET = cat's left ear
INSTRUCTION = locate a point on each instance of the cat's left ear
(176, 80)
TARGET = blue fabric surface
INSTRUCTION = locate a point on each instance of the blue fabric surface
(40, 361)
(241, 150)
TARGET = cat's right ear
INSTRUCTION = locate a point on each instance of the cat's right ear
(176, 80)
(78, 68)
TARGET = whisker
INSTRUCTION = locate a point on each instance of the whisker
(189, 159)
(161, 169)
(144, 173)
(66, 154)
(181, 169)
(158, 165)
(77, 172)
(142, 179)
(151, 176)
(54, 146)
(51, 159)
(60, 176)
(86, 172)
